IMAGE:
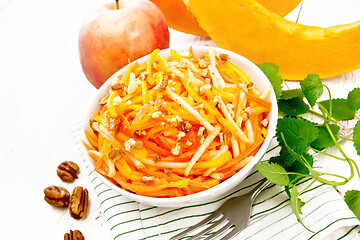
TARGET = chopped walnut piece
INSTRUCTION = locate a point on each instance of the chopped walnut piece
(204, 63)
(180, 134)
(129, 144)
(174, 121)
(143, 75)
(146, 179)
(176, 149)
(133, 143)
(78, 202)
(163, 84)
(156, 157)
(230, 107)
(140, 133)
(74, 235)
(265, 122)
(248, 110)
(227, 137)
(138, 143)
(250, 86)
(114, 153)
(185, 126)
(157, 114)
(224, 57)
(57, 196)
(67, 171)
(202, 134)
(114, 125)
(159, 104)
(117, 86)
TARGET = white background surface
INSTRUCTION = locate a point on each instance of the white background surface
(43, 92)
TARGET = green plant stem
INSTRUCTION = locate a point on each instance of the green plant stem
(307, 187)
(326, 114)
(321, 115)
(333, 174)
(326, 154)
(356, 166)
(336, 142)
(344, 138)
(330, 101)
(332, 183)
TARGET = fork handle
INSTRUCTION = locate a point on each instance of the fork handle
(262, 185)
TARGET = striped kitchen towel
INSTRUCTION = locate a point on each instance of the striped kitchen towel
(325, 211)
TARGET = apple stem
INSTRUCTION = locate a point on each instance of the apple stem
(117, 4)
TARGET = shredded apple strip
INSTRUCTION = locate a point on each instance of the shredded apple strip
(177, 126)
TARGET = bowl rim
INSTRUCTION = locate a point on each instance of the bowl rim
(191, 198)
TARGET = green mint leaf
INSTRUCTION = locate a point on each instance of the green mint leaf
(340, 109)
(300, 167)
(354, 99)
(298, 133)
(288, 94)
(271, 71)
(293, 107)
(296, 204)
(276, 159)
(356, 137)
(352, 199)
(312, 88)
(324, 140)
(274, 173)
(289, 155)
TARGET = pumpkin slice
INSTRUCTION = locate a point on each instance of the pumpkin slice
(280, 7)
(248, 28)
(179, 18)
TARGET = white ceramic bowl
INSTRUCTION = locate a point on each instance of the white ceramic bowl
(261, 83)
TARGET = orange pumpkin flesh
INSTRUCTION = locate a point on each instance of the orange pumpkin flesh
(179, 18)
(248, 28)
(280, 7)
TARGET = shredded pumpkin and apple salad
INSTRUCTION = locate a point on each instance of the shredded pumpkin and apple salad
(177, 126)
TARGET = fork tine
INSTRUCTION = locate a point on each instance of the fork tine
(208, 229)
(220, 231)
(211, 217)
(231, 234)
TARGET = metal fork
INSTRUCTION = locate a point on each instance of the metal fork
(234, 213)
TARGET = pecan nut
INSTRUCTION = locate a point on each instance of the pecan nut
(78, 202)
(74, 235)
(57, 196)
(67, 171)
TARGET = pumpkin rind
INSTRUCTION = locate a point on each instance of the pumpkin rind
(248, 28)
(179, 18)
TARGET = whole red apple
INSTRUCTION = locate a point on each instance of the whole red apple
(116, 33)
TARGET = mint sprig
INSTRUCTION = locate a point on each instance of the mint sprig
(297, 135)
(312, 88)
(352, 198)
